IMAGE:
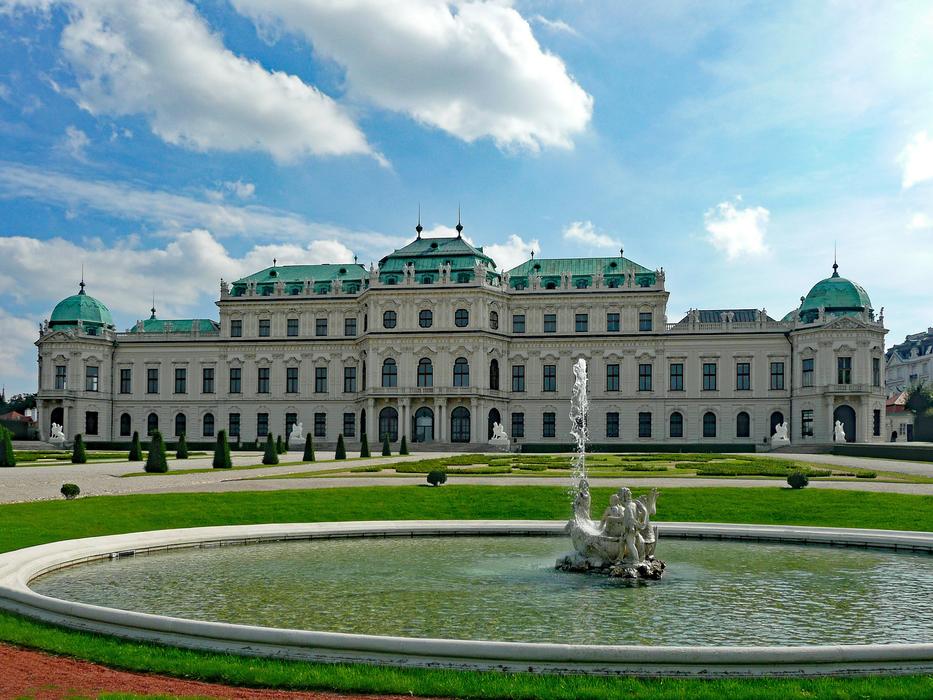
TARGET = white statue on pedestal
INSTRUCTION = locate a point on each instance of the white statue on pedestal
(839, 432)
(781, 435)
(58, 435)
(297, 434)
(498, 436)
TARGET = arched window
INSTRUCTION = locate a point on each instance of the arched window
(463, 277)
(461, 372)
(461, 318)
(460, 425)
(208, 425)
(425, 372)
(389, 319)
(677, 424)
(494, 417)
(551, 285)
(152, 423)
(427, 279)
(424, 424)
(613, 283)
(388, 424)
(494, 320)
(709, 424)
(425, 318)
(181, 425)
(743, 425)
(582, 284)
(389, 373)
(494, 374)
(125, 424)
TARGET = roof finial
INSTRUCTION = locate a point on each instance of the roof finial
(82, 279)
(418, 228)
(274, 261)
(459, 225)
(354, 259)
(532, 253)
(153, 306)
(621, 252)
(835, 264)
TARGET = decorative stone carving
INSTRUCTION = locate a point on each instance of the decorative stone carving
(297, 436)
(839, 432)
(781, 435)
(499, 438)
(58, 435)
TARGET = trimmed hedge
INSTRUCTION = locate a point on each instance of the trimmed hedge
(271, 454)
(78, 454)
(7, 456)
(309, 449)
(341, 451)
(182, 451)
(386, 450)
(639, 447)
(156, 461)
(364, 445)
(222, 452)
(136, 449)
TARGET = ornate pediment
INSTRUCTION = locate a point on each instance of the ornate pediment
(846, 323)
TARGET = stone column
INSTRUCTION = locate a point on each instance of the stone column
(405, 417)
(440, 421)
(371, 421)
(474, 420)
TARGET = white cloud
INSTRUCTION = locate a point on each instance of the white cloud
(513, 252)
(4, 92)
(473, 69)
(161, 60)
(243, 190)
(920, 222)
(18, 359)
(75, 142)
(555, 25)
(737, 231)
(585, 232)
(917, 160)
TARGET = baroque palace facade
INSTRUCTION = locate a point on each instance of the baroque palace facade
(436, 344)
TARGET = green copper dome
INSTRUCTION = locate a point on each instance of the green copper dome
(81, 307)
(837, 296)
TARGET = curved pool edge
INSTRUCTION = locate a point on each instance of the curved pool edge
(18, 568)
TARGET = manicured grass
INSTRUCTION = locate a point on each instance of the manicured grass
(25, 524)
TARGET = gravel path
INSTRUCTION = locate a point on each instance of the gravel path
(883, 465)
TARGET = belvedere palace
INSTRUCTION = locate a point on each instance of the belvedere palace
(437, 344)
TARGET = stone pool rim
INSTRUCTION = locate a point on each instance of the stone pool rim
(18, 568)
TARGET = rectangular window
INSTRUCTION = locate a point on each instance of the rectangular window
(181, 380)
(291, 327)
(152, 381)
(235, 425)
(320, 326)
(349, 327)
(92, 379)
(677, 376)
(612, 322)
(61, 377)
(349, 425)
(262, 386)
(320, 425)
(876, 371)
(265, 327)
(549, 429)
(291, 380)
(518, 377)
(806, 422)
(645, 321)
(743, 377)
(320, 380)
(844, 373)
(777, 375)
(807, 371)
(612, 425)
(90, 423)
(876, 422)
(612, 377)
(236, 374)
(236, 328)
(644, 424)
(518, 323)
(262, 424)
(550, 378)
(126, 381)
(581, 323)
(518, 425)
(349, 380)
(207, 380)
(644, 377)
(550, 323)
(709, 376)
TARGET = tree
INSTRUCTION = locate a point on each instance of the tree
(386, 452)
(280, 447)
(919, 399)
(136, 449)
(182, 450)
(7, 456)
(18, 403)
(78, 455)
(271, 455)
(70, 491)
(309, 449)
(436, 478)
(341, 451)
(222, 451)
(156, 461)
(797, 480)
(364, 445)
(403, 447)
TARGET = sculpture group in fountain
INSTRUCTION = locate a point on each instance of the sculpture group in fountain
(297, 435)
(58, 435)
(622, 542)
(839, 432)
(781, 435)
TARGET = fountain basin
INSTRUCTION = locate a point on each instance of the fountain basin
(18, 569)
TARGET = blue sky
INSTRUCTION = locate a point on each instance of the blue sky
(166, 145)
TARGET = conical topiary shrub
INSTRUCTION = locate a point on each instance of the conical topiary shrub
(364, 445)
(156, 461)
(136, 449)
(341, 451)
(403, 447)
(280, 447)
(271, 455)
(309, 449)
(7, 456)
(78, 455)
(222, 451)
(386, 452)
(182, 451)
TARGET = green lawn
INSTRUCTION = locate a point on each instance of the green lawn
(24, 524)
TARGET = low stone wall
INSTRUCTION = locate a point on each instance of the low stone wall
(18, 568)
